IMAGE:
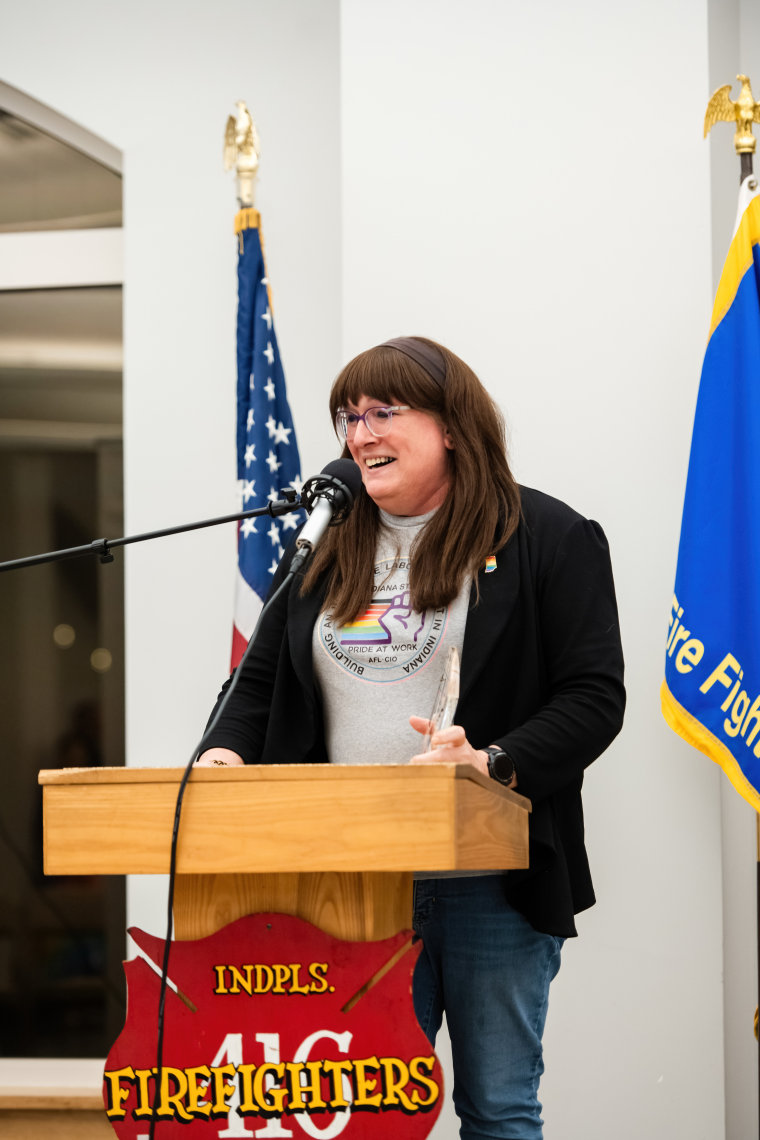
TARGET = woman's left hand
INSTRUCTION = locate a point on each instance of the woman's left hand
(450, 746)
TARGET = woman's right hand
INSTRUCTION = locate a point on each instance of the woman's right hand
(213, 757)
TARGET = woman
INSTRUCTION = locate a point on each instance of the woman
(443, 548)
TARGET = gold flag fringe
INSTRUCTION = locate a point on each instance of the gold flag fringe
(250, 219)
(246, 219)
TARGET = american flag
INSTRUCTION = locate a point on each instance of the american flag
(267, 452)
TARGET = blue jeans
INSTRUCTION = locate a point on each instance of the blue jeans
(489, 970)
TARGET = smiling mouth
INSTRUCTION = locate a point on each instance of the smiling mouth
(379, 461)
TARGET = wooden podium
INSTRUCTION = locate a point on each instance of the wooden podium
(333, 844)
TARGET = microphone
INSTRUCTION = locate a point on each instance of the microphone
(328, 497)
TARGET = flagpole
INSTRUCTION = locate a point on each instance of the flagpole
(746, 171)
(742, 112)
(266, 442)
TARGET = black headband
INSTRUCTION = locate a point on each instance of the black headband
(423, 354)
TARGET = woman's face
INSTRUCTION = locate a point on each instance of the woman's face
(406, 471)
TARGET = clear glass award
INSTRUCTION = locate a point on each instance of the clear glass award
(446, 698)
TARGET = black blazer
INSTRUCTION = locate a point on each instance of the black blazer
(542, 676)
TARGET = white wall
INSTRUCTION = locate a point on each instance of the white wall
(513, 188)
(502, 177)
(158, 81)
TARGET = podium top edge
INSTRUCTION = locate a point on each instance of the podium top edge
(274, 773)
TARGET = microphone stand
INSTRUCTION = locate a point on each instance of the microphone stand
(103, 546)
(340, 496)
(330, 496)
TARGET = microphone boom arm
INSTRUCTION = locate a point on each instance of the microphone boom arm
(103, 546)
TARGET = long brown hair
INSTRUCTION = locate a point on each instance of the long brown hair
(479, 514)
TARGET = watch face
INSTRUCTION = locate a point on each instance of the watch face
(502, 767)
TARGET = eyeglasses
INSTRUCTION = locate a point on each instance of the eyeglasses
(376, 420)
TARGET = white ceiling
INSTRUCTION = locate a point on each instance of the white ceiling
(48, 184)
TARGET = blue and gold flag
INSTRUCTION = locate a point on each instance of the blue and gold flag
(711, 692)
(267, 452)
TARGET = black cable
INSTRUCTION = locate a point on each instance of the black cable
(330, 496)
(175, 836)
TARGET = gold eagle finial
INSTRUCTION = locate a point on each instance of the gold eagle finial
(744, 112)
(241, 150)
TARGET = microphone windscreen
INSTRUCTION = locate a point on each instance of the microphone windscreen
(347, 471)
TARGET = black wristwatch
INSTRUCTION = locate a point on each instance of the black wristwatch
(500, 766)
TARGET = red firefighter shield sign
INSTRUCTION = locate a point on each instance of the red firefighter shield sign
(274, 1029)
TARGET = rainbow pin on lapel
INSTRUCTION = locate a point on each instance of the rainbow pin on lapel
(490, 563)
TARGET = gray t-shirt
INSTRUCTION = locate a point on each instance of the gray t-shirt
(385, 666)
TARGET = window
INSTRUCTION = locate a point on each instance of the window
(62, 661)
